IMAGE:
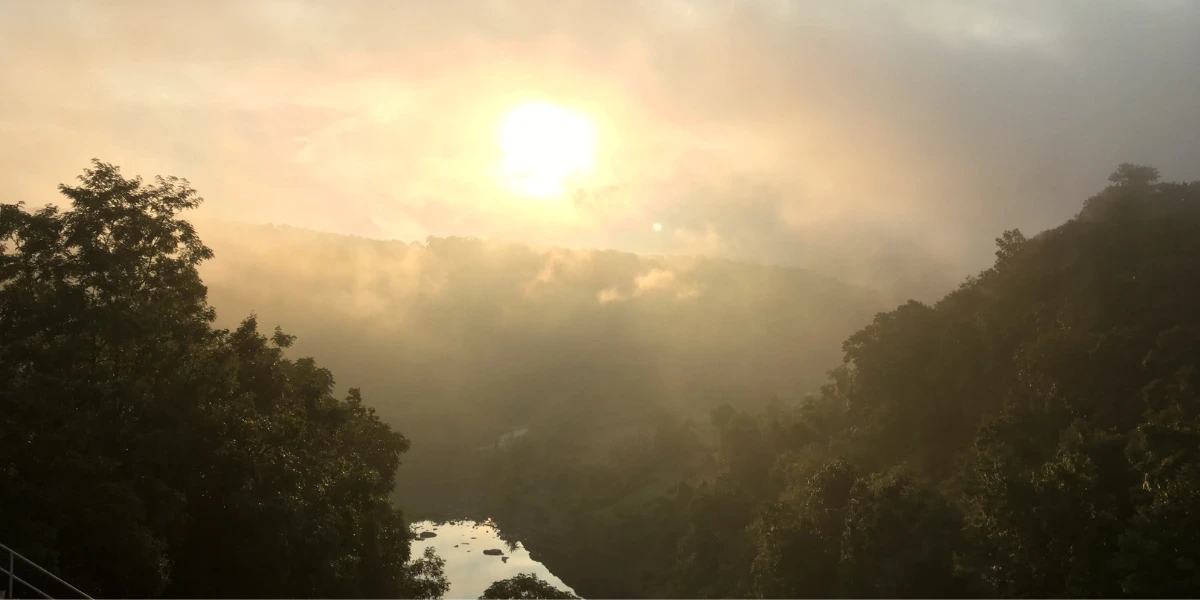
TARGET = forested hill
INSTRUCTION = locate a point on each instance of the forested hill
(1035, 433)
(461, 339)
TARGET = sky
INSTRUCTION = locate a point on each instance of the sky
(817, 133)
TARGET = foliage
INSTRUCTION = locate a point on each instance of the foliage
(524, 585)
(1032, 434)
(425, 577)
(196, 461)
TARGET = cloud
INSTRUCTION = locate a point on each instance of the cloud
(655, 279)
(656, 282)
(560, 264)
(611, 294)
(802, 132)
(706, 242)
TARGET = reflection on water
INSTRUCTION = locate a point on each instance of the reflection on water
(462, 543)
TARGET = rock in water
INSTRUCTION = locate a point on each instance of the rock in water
(493, 552)
(427, 534)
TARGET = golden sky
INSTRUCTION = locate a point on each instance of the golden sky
(789, 132)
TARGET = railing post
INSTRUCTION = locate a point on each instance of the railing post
(12, 557)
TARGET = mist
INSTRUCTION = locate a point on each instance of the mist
(466, 315)
(668, 298)
(461, 339)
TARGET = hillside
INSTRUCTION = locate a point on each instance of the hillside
(1032, 434)
(459, 340)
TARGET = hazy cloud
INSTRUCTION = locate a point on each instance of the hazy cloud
(559, 265)
(655, 282)
(707, 241)
(611, 294)
(809, 132)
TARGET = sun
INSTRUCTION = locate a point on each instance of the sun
(544, 147)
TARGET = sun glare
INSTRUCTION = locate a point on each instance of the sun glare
(544, 148)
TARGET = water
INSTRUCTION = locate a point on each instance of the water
(461, 544)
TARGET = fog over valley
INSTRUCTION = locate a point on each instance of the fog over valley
(514, 299)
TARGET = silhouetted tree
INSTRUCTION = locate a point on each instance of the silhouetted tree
(524, 586)
(145, 453)
(1034, 433)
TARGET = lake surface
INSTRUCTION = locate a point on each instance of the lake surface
(461, 544)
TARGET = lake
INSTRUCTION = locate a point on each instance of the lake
(461, 544)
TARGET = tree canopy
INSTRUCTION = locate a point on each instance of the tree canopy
(1034, 433)
(524, 586)
(146, 453)
(1031, 434)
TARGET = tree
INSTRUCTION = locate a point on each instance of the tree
(1052, 398)
(1007, 246)
(800, 543)
(425, 577)
(714, 549)
(196, 461)
(1131, 174)
(522, 586)
(104, 339)
(1157, 550)
(900, 541)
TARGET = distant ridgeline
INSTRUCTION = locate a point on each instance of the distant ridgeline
(460, 340)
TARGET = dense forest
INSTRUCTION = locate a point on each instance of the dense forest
(1032, 434)
(145, 453)
(1036, 432)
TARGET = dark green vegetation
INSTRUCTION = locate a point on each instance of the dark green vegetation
(524, 585)
(145, 453)
(1035, 433)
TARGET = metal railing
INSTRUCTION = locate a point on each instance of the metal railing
(13, 579)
